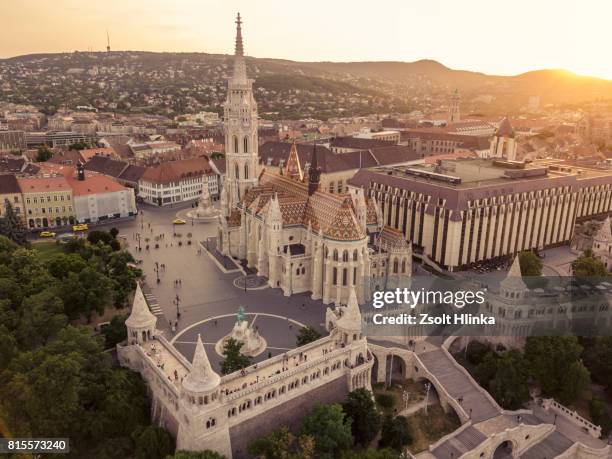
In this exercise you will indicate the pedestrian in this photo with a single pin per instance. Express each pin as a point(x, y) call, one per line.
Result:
point(176, 322)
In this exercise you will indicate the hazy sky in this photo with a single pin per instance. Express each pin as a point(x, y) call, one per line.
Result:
point(492, 36)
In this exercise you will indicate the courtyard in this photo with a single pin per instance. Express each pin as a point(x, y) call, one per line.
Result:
point(208, 298)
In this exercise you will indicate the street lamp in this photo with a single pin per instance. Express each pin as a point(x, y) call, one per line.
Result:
point(138, 239)
point(427, 387)
point(177, 301)
point(406, 397)
point(157, 271)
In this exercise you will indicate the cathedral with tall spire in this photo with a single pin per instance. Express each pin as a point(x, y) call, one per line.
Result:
point(297, 235)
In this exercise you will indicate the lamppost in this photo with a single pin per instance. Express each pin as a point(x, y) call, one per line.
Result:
point(174, 229)
point(245, 282)
point(427, 387)
point(177, 301)
point(406, 397)
point(138, 239)
point(157, 271)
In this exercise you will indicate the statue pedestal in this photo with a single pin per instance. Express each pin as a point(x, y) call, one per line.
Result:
point(253, 343)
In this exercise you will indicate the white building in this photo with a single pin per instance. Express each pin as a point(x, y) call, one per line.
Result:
point(97, 197)
point(177, 181)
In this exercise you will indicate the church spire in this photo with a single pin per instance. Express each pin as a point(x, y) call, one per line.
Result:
point(238, 50)
point(239, 64)
point(314, 172)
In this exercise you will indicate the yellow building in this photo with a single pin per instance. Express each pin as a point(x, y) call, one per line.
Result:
point(48, 201)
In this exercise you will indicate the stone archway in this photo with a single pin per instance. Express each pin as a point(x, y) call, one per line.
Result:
point(505, 450)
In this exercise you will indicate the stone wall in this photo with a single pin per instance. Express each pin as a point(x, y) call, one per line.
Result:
point(284, 415)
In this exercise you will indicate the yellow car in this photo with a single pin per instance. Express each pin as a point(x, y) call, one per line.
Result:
point(81, 227)
point(179, 221)
point(47, 234)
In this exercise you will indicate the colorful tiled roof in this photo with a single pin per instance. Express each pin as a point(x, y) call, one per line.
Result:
point(331, 214)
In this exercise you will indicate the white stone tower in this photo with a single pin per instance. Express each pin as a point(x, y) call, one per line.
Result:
point(141, 323)
point(240, 126)
point(454, 115)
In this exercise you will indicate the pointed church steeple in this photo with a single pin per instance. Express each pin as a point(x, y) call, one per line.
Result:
point(239, 63)
point(202, 377)
point(238, 50)
point(314, 172)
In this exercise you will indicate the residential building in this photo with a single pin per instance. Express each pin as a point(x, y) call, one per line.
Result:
point(99, 198)
point(12, 140)
point(47, 201)
point(177, 181)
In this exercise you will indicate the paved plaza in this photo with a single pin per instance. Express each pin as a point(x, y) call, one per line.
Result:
point(205, 292)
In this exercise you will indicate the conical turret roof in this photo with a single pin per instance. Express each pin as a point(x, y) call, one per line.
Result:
point(201, 378)
point(351, 315)
point(514, 278)
point(141, 316)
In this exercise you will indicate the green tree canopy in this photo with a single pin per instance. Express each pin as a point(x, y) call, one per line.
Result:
point(307, 335)
point(365, 420)
point(331, 430)
point(555, 363)
point(588, 265)
point(152, 443)
point(234, 359)
point(206, 454)
point(509, 385)
point(531, 265)
point(11, 225)
point(395, 433)
point(43, 154)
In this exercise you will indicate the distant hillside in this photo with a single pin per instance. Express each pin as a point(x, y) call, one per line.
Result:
point(170, 83)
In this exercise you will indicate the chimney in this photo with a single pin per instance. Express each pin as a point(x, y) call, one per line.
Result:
point(80, 172)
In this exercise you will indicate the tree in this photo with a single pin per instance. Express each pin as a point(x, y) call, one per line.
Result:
point(530, 264)
point(395, 433)
point(41, 318)
point(275, 445)
point(307, 335)
point(234, 359)
point(114, 232)
point(599, 415)
point(152, 443)
point(509, 385)
point(206, 454)
point(115, 332)
point(330, 428)
point(597, 357)
point(12, 226)
point(370, 453)
point(365, 420)
point(555, 363)
point(588, 265)
point(43, 154)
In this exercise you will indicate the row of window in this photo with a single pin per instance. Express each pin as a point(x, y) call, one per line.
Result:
point(273, 393)
point(47, 198)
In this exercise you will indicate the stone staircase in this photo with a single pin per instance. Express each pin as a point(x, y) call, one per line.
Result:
point(551, 446)
point(459, 385)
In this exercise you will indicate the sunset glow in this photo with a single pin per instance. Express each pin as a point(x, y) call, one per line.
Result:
point(477, 35)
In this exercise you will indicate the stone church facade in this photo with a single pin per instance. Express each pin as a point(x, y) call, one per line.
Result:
point(300, 237)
